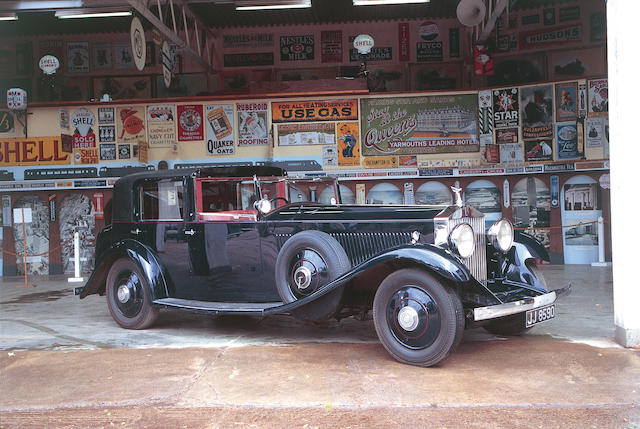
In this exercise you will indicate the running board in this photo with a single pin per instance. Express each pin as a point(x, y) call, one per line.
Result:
point(217, 307)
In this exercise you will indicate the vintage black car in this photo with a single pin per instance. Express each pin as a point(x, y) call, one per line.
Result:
point(250, 240)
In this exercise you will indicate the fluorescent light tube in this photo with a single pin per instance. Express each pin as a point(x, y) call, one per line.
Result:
point(89, 14)
point(383, 2)
point(9, 16)
point(266, 5)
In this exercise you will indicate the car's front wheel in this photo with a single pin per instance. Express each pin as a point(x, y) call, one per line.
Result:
point(128, 296)
point(418, 319)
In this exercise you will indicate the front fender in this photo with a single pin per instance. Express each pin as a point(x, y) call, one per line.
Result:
point(528, 244)
point(142, 255)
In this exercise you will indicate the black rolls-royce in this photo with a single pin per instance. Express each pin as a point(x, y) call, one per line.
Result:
point(250, 240)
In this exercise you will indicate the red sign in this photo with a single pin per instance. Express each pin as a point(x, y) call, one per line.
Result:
point(331, 46)
point(97, 205)
point(403, 41)
point(190, 125)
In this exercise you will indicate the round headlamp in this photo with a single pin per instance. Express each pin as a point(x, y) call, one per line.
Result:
point(462, 240)
point(501, 235)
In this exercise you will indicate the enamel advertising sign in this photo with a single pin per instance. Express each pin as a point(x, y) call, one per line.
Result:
point(420, 125)
point(315, 110)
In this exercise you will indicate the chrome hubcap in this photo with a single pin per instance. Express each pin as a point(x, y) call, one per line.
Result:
point(408, 318)
point(302, 277)
point(123, 293)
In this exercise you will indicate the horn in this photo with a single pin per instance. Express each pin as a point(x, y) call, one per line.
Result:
point(470, 12)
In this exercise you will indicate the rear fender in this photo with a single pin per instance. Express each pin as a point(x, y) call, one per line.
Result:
point(142, 255)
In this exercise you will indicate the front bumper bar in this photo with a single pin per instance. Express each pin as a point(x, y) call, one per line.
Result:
point(509, 308)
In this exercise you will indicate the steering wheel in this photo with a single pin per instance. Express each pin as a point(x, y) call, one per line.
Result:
point(274, 199)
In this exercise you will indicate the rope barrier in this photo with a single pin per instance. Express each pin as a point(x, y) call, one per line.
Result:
point(543, 228)
point(8, 252)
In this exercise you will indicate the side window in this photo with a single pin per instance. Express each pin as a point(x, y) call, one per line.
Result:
point(162, 200)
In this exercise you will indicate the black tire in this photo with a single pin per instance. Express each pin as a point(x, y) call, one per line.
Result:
point(315, 259)
point(129, 297)
point(507, 326)
point(430, 329)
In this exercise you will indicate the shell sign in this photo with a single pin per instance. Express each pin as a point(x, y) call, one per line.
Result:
point(363, 43)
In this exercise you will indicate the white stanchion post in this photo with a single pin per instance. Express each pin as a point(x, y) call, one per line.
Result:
point(76, 259)
point(601, 262)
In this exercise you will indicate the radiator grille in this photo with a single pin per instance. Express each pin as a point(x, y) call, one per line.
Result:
point(362, 246)
point(477, 263)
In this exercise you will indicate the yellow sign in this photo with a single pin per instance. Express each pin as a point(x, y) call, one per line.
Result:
point(380, 162)
point(33, 151)
point(315, 110)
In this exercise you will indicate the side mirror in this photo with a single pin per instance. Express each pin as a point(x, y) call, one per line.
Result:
point(263, 206)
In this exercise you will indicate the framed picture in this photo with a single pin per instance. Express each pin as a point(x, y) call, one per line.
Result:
point(122, 87)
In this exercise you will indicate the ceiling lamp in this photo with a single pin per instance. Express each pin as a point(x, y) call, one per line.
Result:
point(383, 2)
point(91, 13)
point(272, 4)
point(8, 16)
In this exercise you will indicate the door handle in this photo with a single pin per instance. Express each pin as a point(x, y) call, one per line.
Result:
point(190, 232)
point(136, 231)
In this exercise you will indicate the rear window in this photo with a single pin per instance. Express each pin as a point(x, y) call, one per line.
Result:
point(162, 200)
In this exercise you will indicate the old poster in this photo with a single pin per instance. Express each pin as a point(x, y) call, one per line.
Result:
point(33, 151)
point(102, 56)
point(78, 57)
point(567, 141)
point(297, 48)
point(331, 46)
point(511, 153)
point(598, 97)
point(306, 134)
point(130, 125)
point(507, 135)
point(314, 110)
point(108, 152)
point(220, 126)
point(190, 125)
point(85, 148)
point(566, 96)
point(594, 130)
point(485, 115)
point(505, 108)
point(161, 125)
point(241, 40)
point(538, 150)
point(420, 125)
point(536, 108)
point(252, 124)
point(582, 99)
point(348, 144)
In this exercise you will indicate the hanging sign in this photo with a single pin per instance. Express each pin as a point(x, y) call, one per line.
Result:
point(16, 99)
point(49, 64)
point(138, 43)
point(363, 43)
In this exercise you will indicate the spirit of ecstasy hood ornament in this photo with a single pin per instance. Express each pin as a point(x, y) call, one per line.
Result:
point(457, 191)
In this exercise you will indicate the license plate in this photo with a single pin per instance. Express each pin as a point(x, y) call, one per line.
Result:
point(540, 314)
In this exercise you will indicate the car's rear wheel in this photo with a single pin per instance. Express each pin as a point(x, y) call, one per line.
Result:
point(418, 319)
point(129, 297)
point(306, 263)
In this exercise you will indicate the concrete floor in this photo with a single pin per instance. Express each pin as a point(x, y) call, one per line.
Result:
point(66, 363)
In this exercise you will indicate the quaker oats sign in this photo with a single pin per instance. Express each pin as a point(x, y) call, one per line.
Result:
point(252, 128)
point(161, 126)
point(420, 125)
point(130, 124)
point(219, 129)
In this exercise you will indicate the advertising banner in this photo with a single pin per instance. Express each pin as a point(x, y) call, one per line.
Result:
point(507, 135)
point(190, 122)
point(429, 51)
point(306, 134)
point(420, 125)
point(241, 40)
point(248, 59)
point(314, 110)
point(220, 125)
point(376, 54)
point(505, 108)
point(252, 120)
point(566, 96)
point(550, 37)
point(161, 125)
point(536, 108)
point(32, 151)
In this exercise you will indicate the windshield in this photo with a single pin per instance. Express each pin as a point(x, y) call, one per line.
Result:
point(300, 190)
